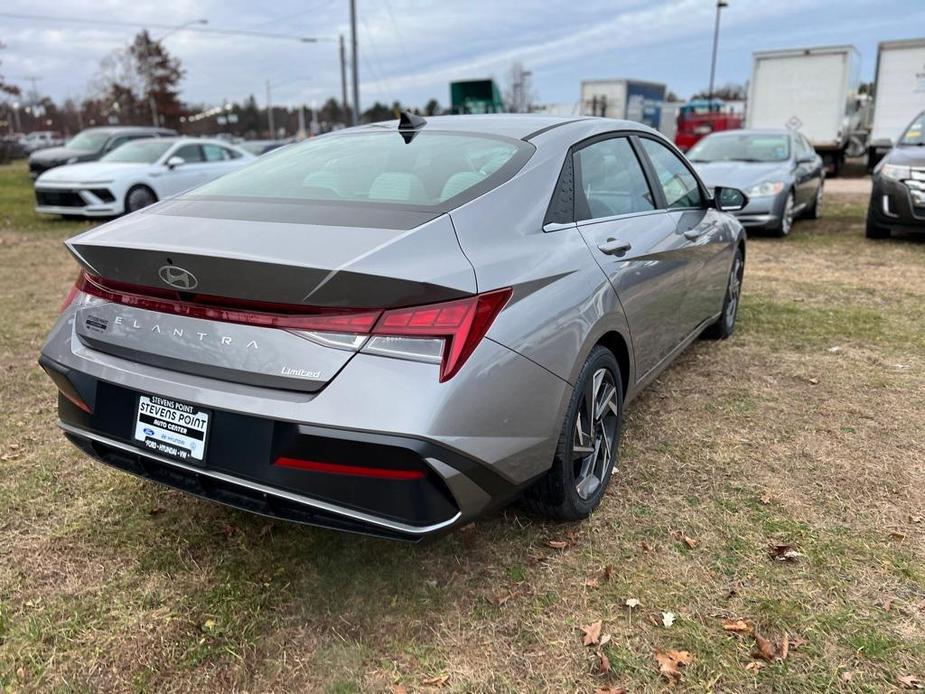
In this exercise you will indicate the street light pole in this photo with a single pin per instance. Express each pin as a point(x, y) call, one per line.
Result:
point(343, 76)
point(720, 4)
point(356, 71)
point(270, 113)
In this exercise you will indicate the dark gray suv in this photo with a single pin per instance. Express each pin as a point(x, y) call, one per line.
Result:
point(90, 145)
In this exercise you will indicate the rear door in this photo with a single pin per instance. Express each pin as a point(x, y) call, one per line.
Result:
point(703, 242)
point(633, 240)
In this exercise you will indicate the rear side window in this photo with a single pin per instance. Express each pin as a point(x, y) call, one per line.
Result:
point(678, 183)
point(610, 181)
point(215, 153)
point(377, 167)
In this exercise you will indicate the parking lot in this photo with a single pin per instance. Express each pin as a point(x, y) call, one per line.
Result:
point(805, 432)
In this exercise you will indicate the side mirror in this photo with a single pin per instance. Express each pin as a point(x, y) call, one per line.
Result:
point(175, 161)
point(729, 199)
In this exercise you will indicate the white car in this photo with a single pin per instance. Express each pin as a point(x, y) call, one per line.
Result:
point(135, 175)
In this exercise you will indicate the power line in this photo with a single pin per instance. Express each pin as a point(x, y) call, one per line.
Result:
point(175, 27)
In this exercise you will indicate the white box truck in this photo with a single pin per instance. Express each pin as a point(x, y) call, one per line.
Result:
point(899, 93)
point(813, 90)
point(618, 98)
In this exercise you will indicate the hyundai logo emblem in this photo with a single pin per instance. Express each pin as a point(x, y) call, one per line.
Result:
point(178, 278)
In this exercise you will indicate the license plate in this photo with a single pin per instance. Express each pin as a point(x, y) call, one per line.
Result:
point(171, 428)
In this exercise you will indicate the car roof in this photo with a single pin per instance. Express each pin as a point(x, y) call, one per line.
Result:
point(114, 129)
point(521, 126)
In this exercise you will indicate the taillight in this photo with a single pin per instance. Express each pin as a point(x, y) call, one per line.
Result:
point(452, 329)
point(446, 333)
point(71, 295)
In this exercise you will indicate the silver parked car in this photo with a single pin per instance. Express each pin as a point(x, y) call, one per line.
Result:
point(394, 328)
point(778, 169)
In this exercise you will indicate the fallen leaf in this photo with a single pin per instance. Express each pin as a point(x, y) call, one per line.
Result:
point(768, 650)
point(632, 602)
point(592, 582)
point(737, 626)
point(605, 639)
point(784, 553)
point(764, 648)
point(681, 537)
point(834, 349)
point(208, 625)
point(797, 642)
point(608, 572)
point(157, 510)
point(668, 618)
point(896, 535)
point(399, 689)
point(754, 666)
point(645, 546)
point(814, 381)
point(228, 530)
point(847, 676)
point(436, 681)
point(766, 499)
point(592, 633)
point(911, 682)
point(610, 690)
point(557, 544)
point(602, 666)
point(917, 519)
point(887, 604)
point(671, 662)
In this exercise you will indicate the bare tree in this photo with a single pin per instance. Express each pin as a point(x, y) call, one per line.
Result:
point(518, 91)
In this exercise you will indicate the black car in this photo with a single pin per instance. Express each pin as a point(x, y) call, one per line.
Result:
point(897, 199)
point(90, 145)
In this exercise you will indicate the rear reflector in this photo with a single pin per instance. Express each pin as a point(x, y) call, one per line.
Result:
point(352, 470)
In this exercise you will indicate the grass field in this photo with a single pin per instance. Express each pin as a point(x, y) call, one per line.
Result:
point(806, 429)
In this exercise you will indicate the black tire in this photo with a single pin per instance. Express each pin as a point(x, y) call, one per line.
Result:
point(726, 323)
point(138, 197)
point(786, 216)
point(874, 230)
point(814, 211)
point(564, 493)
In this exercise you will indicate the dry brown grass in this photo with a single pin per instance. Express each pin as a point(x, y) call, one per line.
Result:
point(772, 436)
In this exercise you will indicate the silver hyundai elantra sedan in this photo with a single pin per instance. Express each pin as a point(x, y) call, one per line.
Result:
point(395, 328)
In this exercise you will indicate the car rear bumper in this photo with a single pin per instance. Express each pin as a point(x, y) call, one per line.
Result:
point(477, 440)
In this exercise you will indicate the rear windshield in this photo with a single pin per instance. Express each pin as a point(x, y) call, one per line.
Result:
point(377, 167)
point(741, 147)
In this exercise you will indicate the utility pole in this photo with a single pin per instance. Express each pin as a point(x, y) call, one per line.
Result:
point(356, 70)
point(720, 4)
point(343, 76)
point(270, 113)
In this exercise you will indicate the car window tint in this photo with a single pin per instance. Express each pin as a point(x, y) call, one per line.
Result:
point(215, 153)
point(189, 153)
point(678, 183)
point(612, 181)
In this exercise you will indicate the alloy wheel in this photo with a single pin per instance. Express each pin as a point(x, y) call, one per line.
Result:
point(735, 290)
point(594, 443)
point(787, 219)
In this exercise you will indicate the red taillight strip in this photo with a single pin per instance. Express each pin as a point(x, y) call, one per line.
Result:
point(358, 321)
point(352, 470)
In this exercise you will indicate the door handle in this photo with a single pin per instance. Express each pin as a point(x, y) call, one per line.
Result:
point(614, 247)
point(692, 234)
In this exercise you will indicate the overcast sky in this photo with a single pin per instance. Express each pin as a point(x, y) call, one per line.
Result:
point(411, 49)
